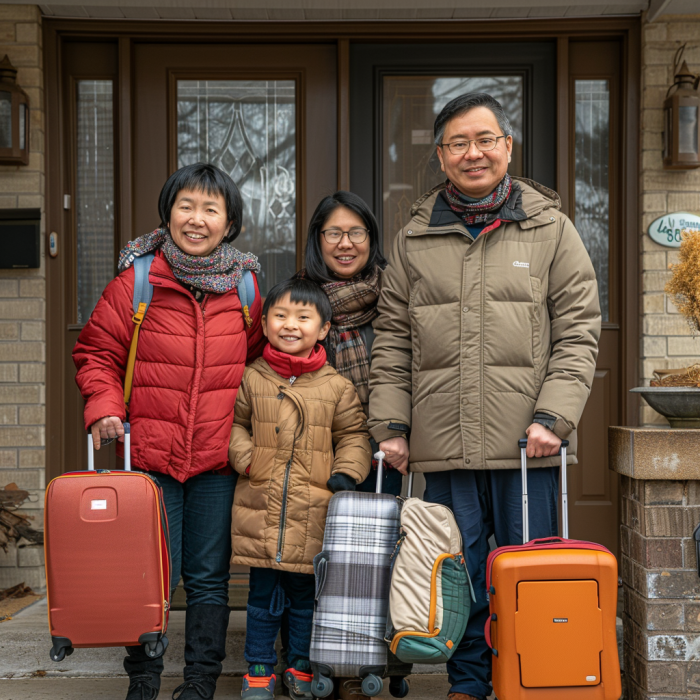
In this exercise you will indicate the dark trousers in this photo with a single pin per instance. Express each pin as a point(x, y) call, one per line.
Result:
point(391, 482)
point(199, 520)
point(487, 503)
point(272, 595)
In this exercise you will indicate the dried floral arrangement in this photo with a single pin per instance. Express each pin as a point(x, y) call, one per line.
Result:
point(684, 285)
point(690, 377)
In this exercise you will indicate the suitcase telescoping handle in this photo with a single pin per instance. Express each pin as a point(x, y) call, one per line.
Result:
point(127, 449)
point(522, 443)
point(379, 456)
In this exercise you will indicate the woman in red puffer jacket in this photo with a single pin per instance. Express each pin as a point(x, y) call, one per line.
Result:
point(193, 346)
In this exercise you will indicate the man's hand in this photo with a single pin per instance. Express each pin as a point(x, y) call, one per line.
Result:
point(105, 428)
point(396, 451)
point(541, 441)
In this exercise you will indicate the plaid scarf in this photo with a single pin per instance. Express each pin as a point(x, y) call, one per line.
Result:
point(478, 212)
point(354, 303)
point(216, 273)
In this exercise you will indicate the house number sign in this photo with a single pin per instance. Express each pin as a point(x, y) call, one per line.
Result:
point(666, 230)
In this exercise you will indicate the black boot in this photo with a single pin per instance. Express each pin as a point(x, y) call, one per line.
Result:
point(144, 674)
point(205, 649)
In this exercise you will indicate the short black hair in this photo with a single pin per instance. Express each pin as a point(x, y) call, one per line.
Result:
point(203, 177)
point(462, 104)
point(316, 268)
point(301, 291)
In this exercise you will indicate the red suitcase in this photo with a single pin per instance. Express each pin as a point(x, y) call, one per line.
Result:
point(553, 605)
point(107, 559)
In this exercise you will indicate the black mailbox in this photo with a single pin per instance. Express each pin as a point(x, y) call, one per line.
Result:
point(20, 238)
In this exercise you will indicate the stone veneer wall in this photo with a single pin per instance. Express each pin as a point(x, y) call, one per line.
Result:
point(667, 341)
point(22, 307)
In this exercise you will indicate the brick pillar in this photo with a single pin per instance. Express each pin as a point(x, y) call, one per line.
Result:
point(660, 510)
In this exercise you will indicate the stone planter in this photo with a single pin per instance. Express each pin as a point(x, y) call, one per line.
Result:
point(680, 406)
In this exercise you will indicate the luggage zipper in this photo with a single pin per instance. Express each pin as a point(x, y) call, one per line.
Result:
point(283, 512)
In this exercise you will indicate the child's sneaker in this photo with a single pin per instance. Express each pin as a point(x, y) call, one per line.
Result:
point(258, 687)
point(299, 684)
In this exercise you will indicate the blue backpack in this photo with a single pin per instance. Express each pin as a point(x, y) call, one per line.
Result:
point(143, 293)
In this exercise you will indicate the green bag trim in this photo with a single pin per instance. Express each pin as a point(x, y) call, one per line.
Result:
point(457, 594)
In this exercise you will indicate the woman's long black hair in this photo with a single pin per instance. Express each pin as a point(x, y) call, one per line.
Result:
point(316, 268)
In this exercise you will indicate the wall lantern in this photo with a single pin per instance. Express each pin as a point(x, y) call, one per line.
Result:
point(14, 117)
point(682, 119)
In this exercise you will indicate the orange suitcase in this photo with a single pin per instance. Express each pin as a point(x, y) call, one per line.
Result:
point(553, 605)
point(107, 559)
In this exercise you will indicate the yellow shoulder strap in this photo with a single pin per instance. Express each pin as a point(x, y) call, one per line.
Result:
point(137, 318)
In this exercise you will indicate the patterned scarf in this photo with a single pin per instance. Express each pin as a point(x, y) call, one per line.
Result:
point(354, 303)
point(477, 212)
point(216, 273)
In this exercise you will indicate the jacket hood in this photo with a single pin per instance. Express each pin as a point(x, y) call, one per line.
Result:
point(535, 198)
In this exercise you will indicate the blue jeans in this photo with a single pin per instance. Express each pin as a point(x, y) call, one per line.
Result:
point(274, 595)
point(199, 520)
point(487, 503)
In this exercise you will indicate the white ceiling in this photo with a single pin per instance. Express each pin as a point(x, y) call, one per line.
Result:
point(291, 10)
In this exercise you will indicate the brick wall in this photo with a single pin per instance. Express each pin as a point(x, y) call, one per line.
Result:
point(661, 618)
point(667, 341)
point(22, 306)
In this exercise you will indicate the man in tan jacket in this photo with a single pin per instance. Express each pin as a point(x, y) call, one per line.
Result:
point(488, 331)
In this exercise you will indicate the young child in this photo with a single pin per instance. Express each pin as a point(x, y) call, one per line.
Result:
point(299, 435)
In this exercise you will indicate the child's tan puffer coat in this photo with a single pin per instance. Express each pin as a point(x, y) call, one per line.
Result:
point(302, 433)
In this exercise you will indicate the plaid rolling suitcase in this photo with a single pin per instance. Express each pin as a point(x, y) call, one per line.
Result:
point(553, 606)
point(352, 589)
point(107, 559)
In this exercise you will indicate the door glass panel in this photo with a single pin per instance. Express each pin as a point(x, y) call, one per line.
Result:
point(410, 166)
point(592, 193)
point(94, 203)
point(248, 129)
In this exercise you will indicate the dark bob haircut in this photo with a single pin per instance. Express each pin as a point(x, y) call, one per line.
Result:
point(462, 104)
point(203, 177)
point(301, 291)
point(316, 268)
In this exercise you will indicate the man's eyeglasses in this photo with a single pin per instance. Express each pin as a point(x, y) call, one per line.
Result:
point(459, 148)
point(355, 235)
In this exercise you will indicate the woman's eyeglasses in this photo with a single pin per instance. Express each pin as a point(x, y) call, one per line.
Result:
point(335, 235)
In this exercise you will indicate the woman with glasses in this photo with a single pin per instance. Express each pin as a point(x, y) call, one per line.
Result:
point(343, 257)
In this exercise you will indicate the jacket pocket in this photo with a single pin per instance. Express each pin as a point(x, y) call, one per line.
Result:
point(536, 286)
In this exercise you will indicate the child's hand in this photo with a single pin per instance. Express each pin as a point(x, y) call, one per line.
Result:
point(340, 482)
point(107, 429)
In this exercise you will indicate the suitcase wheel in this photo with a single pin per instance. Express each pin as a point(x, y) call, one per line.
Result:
point(154, 644)
point(372, 685)
point(321, 686)
point(61, 648)
point(398, 687)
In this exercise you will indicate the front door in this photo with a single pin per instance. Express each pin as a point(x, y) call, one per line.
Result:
point(393, 162)
point(131, 114)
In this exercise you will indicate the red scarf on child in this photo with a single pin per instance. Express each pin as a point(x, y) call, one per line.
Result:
point(290, 366)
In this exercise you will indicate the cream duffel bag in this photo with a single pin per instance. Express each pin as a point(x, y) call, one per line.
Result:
point(431, 592)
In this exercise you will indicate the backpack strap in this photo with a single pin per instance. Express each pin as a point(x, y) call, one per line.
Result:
point(246, 293)
point(143, 293)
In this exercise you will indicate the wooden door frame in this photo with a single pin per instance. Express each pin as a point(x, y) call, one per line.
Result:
point(127, 33)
